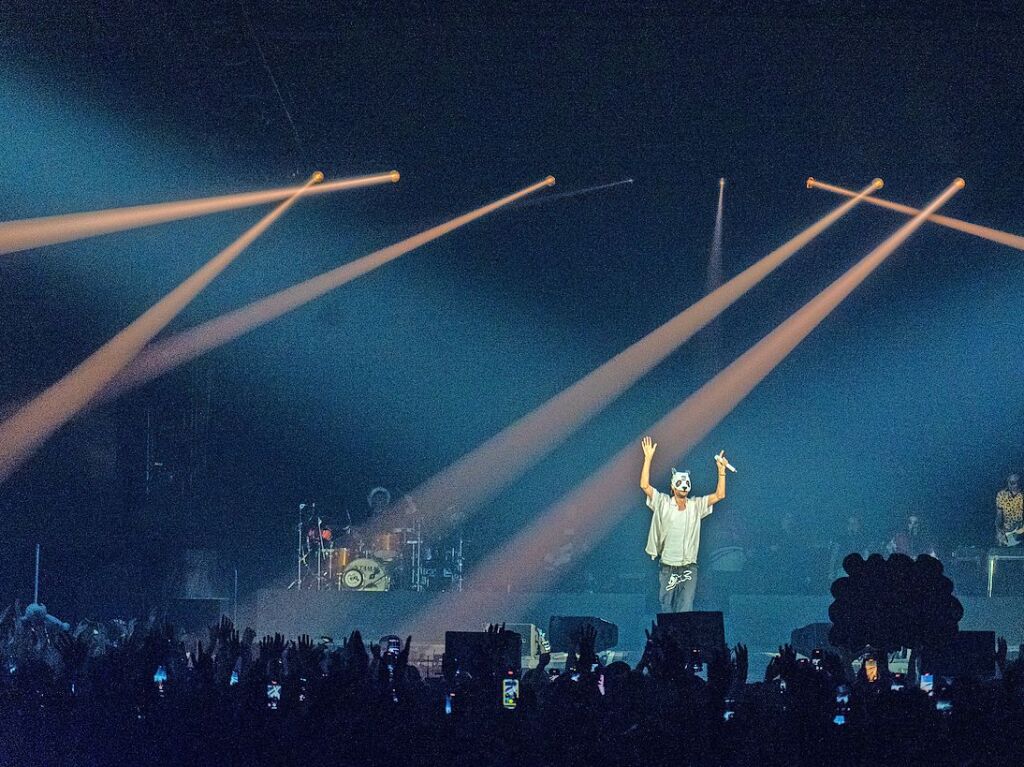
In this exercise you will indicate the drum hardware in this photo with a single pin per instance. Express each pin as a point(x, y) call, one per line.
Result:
point(317, 558)
point(306, 546)
point(404, 557)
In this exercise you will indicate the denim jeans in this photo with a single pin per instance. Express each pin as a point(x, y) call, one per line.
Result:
point(677, 585)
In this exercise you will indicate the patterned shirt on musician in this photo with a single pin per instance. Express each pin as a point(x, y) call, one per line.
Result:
point(1011, 509)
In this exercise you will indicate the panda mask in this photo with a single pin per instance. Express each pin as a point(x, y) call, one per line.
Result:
point(680, 481)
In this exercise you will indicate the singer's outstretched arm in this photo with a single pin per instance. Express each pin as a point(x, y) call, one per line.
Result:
point(645, 472)
point(719, 494)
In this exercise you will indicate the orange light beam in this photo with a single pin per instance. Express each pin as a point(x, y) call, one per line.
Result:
point(25, 431)
point(985, 232)
point(481, 474)
point(50, 230)
point(165, 355)
point(594, 506)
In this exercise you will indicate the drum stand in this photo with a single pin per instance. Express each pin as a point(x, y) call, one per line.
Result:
point(321, 554)
point(417, 580)
point(317, 552)
point(302, 554)
point(457, 563)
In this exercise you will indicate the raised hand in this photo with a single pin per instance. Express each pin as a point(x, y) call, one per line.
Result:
point(773, 670)
point(587, 656)
point(271, 647)
point(358, 657)
point(645, 658)
point(787, 660)
point(742, 664)
point(73, 651)
point(307, 652)
point(223, 636)
point(202, 661)
point(493, 629)
point(648, 447)
point(720, 673)
point(1001, 650)
point(403, 660)
point(654, 652)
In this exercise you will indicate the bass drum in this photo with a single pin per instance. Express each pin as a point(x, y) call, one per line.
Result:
point(365, 575)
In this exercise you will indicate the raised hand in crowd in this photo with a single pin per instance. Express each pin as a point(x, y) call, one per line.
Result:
point(495, 649)
point(271, 647)
point(73, 650)
point(721, 673)
point(587, 642)
point(742, 663)
point(202, 662)
point(356, 660)
point(307, 655)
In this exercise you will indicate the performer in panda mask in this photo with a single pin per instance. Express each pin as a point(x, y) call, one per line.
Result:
point(674, 537)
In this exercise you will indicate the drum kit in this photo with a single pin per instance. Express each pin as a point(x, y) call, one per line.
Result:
point(332, 558)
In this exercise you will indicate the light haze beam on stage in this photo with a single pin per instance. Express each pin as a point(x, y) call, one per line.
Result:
point(50, 230)
point(478, 476)
point(166, 355)
point(985, 232)
point(572, 193)
point(715, 273)
point(594, 506)
point(30, 426)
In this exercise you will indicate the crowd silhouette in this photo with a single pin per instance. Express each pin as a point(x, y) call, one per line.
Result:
point(136, 692)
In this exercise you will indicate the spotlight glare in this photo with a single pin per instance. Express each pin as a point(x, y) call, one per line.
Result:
point(1008, 239)
point(28, 233)
point(167, 354)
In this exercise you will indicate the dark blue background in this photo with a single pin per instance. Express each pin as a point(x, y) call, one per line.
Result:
point(908, 398)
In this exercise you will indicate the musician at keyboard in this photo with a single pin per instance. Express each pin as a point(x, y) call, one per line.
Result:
point(1010, 513)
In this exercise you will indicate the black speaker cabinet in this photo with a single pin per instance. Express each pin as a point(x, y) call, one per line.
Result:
point(702, 630)
point(564, 632)
point(468, 649)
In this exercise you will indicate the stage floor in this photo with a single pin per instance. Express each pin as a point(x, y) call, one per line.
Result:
point(761, 621)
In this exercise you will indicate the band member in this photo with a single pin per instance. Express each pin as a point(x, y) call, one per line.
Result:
point(674, 537)
point(377, 500)
point(1010, 513)
point(912, 539)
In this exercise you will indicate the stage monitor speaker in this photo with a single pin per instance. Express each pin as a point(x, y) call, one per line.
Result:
point(468, 650)
point(564, 632)
point(196, 615)
point(704, 630)
point(811, 637)
point(971, 653)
